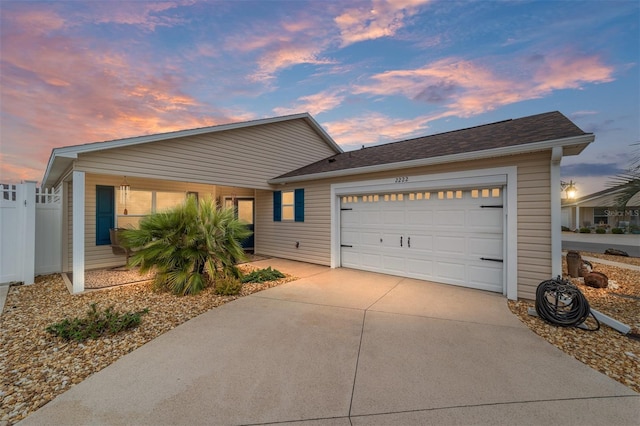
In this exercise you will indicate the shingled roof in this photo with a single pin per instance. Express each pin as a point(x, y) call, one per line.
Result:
point(488, 138)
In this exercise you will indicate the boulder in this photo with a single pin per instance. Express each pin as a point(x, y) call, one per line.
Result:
point(585, 268)
point(596, 280)
point(616, 252)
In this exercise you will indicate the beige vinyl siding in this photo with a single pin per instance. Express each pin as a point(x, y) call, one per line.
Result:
point(228, 191)
point(102, 256)
point(245, 157)
point(534, 216)
point(279, 239)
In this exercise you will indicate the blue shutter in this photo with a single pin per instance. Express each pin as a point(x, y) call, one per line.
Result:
point(298, 199)
point(105, 213)
point(277, 206)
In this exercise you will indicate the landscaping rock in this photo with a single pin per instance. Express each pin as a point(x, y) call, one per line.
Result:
point(596, 280)
point(585, 268)
point(574, 261)
point(616, 252)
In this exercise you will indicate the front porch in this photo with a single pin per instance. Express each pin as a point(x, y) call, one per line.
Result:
point(96, 203)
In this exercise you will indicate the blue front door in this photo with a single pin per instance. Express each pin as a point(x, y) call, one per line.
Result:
point(105, 213)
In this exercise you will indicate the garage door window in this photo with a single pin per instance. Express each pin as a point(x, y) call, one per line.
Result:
point(418, 196)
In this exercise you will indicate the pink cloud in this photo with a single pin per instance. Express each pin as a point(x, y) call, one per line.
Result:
point(464, 88)
point(376, 19)
point(374, 127)
point(145, 15)
point(314, 104)
point(566, 70)
point(295, 41)
point(64, 93)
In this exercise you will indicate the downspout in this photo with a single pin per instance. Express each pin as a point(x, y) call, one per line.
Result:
point(556, 218)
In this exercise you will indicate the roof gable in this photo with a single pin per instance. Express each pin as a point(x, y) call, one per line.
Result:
point(62, 158)
point(501, 138)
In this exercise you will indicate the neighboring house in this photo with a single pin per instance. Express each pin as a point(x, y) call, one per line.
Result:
point(601, 210)
point(474, 207)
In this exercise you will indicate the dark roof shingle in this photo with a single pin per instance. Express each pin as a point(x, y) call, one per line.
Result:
point(521, 131)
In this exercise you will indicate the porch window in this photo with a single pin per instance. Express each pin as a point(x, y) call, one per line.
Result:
point(288, 205)
point(140, 204)
point(600, 217)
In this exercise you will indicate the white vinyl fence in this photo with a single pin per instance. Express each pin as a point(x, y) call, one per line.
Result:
point(30, 232)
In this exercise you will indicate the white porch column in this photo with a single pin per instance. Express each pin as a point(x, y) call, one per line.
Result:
point(78, 231)
point(556, 213)
point(578, 226)
point(27, 202)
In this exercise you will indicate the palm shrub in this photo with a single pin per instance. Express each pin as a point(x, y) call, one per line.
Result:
point(190, 245)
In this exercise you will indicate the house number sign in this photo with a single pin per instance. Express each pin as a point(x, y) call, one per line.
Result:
point(402, 179)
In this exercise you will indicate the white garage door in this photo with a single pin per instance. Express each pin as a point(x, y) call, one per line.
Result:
point(450, 236)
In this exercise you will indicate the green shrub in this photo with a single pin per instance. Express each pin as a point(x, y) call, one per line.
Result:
point(262, 275)
point(585, 230)
point(227, 286)
point(565, 229)
point(190, 246)
point(95, 324)
point(617, 231)
point(601, 231)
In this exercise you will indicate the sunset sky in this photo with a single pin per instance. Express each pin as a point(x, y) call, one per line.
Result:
point(73, 72)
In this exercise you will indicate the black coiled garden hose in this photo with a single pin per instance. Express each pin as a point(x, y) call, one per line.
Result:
point(561, 303)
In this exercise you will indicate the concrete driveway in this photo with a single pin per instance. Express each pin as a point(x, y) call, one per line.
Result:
point(344, 347)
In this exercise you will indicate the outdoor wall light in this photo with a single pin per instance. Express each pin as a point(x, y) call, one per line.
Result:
point(569, 188)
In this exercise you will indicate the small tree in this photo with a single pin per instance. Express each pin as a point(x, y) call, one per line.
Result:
point(628, 181)
point(190, 245)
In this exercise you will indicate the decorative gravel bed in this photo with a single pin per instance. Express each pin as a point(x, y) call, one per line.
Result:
point(35, 366)
point(606, 350)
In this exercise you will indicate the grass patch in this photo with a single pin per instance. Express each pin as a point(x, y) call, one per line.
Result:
point(263, 275)
point(96, 323)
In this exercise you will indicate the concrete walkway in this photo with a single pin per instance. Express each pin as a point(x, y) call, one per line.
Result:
point(344, 347)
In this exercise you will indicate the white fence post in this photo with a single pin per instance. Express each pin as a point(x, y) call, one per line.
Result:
point(28, 203)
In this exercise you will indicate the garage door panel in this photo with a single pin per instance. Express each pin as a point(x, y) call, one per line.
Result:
point(370, 260)
point(370, 239)
point(450, 244)
point(350, 237)
point(393, 217)
point(487, 277)
point(349, 218)
point(422, 268)
point(350, 258)
point(393, 263)
point(391, 240)
point(455, 218)
point(452, 272)
point(487, 220)
point(369, 218)
point(419, 218)
point(421, 242)
point(485, 247)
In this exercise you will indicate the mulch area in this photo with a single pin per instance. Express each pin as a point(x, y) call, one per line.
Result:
point(37, 366)
point(606, 350)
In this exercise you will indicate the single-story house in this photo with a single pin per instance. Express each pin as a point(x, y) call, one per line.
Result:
point(477, 207)
point(600, 209)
